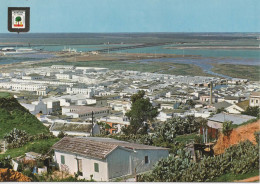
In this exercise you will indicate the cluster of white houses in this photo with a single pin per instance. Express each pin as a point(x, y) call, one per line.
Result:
point(76, 92)
point(70, 98)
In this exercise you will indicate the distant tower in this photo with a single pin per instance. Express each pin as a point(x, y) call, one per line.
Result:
point(211, 84)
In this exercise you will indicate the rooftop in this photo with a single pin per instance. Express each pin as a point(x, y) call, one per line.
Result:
point(235, 118)
point(256, 93)
point(220, 105)
point(74, 127)
point(96, 147)
point(85, 109)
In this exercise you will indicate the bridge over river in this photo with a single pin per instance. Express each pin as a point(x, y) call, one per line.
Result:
point(111, 49)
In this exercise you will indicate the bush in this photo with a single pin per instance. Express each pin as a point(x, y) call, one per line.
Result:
point(252, 111)
point(257, 136)
point(6, 162)
point(238, 159)
point(61, 134)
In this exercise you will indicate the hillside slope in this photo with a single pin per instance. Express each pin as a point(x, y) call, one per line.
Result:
point(242, 133)
point(13, 115)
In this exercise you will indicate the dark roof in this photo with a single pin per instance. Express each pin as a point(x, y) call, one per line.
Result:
point(124, 144)
point(74, 127)
point(231, 98)
point(220, 105)
point(97, 147)
point(84, 147)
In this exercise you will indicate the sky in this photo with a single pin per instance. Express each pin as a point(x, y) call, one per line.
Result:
point(61, 16)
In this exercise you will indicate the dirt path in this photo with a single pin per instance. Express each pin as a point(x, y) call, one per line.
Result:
point(252, 179)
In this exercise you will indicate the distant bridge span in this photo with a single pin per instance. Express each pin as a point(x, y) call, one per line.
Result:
point(131, 47)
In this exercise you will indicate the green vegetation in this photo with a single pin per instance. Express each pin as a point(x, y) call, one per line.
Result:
point(227, 128)
point(237, 160)
point(13, 115)
point(167, 134)
point(252, 111)
point(184, 69)
point(38, 146)
point(186, 138)
point(141, 111)
point(17, 138)
point(232, 177)
point(159, 67)
point(5, 95)
point(238, 71)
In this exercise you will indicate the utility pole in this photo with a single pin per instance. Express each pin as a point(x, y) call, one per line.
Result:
point(92, 121)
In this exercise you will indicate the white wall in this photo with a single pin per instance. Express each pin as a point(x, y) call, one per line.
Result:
point(119, 163)
point(87, 166)
point(138, 159)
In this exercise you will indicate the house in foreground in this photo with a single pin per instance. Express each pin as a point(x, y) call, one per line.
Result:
point(105, 158)
point(215, 123)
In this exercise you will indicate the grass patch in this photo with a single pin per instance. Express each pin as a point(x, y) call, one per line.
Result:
point(13, 115)
point(160, 67)
point(38, 146)
point(5, 95)
point(238, 71)
point(185, 138)
point(231, 177)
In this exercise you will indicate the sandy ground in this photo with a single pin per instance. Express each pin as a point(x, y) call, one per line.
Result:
point(239, 134)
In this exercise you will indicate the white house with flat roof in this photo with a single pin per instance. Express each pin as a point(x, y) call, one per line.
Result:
point(84, 111)
point(105, 158)
point(67, 67)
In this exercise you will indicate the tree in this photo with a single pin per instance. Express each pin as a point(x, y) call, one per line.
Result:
point(222, 109)
point(141, 114)
point(104, 128)
point(18, 19)
point(252, 111)
point(61, 134)
point(190, 102)
point(227, 128)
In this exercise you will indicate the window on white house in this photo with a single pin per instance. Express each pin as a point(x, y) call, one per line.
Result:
point(62, 158)
point(256, 101)
point(146, 160)
point(96, 167)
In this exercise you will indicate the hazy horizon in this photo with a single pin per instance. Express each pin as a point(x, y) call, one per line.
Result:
point(116, 16)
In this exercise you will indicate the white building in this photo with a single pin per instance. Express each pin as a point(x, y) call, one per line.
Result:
point(32, 77)
point(80, 90)
point(254, 99)
point(23, 86)
point(75, 128)
point(105, 158)
point(84, 111)
point(116, 123)
point(63, 76)
point(67, 67)
point(37, 107)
